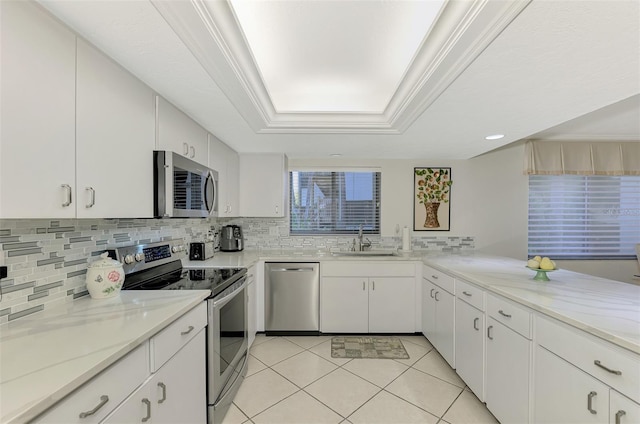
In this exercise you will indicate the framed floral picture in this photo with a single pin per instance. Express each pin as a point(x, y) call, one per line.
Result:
point(431, 199)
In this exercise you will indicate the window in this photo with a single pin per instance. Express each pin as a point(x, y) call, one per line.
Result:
point(334, 202)
point(579, 217)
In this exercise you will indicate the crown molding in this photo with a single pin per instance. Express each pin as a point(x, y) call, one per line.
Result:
point(210, 30)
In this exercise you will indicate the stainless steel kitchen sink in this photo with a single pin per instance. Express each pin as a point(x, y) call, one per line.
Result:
point(366, 253)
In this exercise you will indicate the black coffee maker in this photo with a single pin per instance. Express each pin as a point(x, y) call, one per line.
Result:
point(231, 239)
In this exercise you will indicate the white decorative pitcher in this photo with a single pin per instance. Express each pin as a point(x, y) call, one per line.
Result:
point(104, 277)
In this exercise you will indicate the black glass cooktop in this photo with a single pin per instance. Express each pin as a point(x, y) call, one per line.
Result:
point(172, 276)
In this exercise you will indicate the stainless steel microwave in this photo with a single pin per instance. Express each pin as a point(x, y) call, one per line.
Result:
point(183, 188)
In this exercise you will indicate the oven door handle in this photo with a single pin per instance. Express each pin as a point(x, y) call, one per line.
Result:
point(219, 303)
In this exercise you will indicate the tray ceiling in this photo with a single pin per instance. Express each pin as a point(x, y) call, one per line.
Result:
point(324, 85)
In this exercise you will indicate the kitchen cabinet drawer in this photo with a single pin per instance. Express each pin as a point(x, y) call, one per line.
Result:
point(470, 294)
point(583, 351)
point(439, 278)
point(511, 315)
point(103, 393)
point(367, 269)
point(167, 342)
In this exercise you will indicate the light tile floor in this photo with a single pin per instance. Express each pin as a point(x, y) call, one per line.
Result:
point(295, 380)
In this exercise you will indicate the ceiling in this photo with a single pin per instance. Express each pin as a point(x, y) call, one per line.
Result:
point(367, 79)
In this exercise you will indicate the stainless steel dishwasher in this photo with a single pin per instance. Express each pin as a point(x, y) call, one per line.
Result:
point(292, 298)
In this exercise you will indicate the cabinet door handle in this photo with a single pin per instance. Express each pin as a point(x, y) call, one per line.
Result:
point(467, 293)
point(276, 209)
point(431, 293)
point(189, 330)
point(435, 296)
point(599, 364)
point(501, 312)
point(164, 392)
point(193, 152)
point(148, 403)
point(435, 277)
point(489, 336)
point(364, 285)
point(373, 285)
point(619, 415)
point(103, 401)
point(590, 397)
point(93, 197)
point(67, 189)
point(475, 324)
point(185, 148)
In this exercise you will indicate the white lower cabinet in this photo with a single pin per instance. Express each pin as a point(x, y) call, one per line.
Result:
point(469, 342)
point(622, 410)
point(367, 298)
point(438, 314)
point(507, 373)
point(565, 394)
point(174, 394)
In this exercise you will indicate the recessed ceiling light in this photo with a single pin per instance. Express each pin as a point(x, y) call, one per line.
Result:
point(335, 155)
point(494, 137)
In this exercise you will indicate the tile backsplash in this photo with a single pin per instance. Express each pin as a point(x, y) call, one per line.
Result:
point(47, 259)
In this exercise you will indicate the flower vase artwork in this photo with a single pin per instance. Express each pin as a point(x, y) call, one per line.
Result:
point(432, 194)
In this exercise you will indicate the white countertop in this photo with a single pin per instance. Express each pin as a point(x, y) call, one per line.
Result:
point(247, 258)
point(605, 308)
point(46, 356)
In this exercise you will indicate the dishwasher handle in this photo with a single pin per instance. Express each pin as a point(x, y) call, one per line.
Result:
point(292, 269)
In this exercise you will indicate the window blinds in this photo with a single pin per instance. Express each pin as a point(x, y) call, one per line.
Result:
point(329, 202)
point(574, 216)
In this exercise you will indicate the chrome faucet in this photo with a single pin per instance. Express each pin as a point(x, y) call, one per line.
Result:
point(361, 244)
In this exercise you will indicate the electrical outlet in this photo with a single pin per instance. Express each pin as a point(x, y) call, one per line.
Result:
point(3, 272)
point(273, 231)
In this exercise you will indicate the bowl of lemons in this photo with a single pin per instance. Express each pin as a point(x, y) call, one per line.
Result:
point(542, 265)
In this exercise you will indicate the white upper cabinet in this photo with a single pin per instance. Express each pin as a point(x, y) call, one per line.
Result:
point(226, 161)
point(115, 139)
point(264, 185)
point(37, 139)
point(179, 133)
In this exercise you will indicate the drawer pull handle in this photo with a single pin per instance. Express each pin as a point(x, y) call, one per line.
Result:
point(489, 332)
point(475, 324)
point(148, 403)
point(590, 397)
point(164, 392)
point(599, 364)
point(501, 312)
point(103, 401)
point(435, 296)
point(619, 415)
point(189, 330)
point(435, 277)
point(431, 294)
point(467, 293)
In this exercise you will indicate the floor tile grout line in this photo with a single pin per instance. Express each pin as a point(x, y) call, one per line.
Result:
point(454, 401)
point(439, 378)
point(410, 403)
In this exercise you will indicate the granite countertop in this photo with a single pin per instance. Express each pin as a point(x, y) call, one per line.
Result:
point(605, 308)
point(46, 356)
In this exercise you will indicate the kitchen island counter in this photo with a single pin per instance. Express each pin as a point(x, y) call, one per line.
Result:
point(46, 356)
point(605, 308)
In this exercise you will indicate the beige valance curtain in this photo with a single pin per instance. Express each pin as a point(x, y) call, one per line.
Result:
point(582, 158)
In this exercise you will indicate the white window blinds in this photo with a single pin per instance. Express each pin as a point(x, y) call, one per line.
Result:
point(326, 202)
point(575, 216)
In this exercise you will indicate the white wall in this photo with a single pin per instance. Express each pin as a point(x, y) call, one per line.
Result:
point(488, 197)
point(489, 201)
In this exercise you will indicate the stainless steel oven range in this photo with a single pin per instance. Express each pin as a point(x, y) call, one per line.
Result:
point(157, 266)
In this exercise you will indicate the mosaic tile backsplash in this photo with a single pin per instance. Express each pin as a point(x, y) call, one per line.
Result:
point(47, 259)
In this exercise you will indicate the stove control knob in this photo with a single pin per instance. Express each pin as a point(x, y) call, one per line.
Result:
point(128, 259)
point(139, 257)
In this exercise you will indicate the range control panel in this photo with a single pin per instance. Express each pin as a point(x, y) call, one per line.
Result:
point(144, 256)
